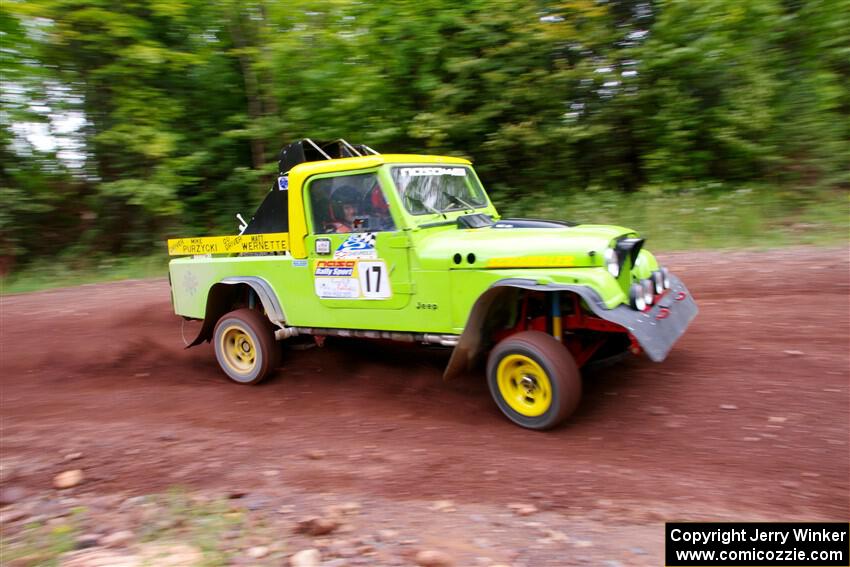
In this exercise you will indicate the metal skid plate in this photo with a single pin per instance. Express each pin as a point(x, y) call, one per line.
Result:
point(658, 328)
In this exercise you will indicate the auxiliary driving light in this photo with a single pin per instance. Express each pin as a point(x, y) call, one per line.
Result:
point(658, 282)
point(612, 262)
point(648, 294)
point(665, 273)
point(636, 297)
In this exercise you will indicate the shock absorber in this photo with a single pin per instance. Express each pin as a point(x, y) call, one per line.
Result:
point(557, 324)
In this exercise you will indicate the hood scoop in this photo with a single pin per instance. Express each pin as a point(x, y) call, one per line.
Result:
point(477, 220)
point(533, 223)
point(630, 247)
point(481, 220)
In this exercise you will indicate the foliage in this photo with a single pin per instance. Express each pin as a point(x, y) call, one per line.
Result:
point(74, 268)
point(706, 216)
point(184, 104)
point(709, 216)
point(167, 521)
point(741, 92)
point(41, 543)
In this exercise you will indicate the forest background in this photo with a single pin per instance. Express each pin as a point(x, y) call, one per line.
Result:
point(698, 122)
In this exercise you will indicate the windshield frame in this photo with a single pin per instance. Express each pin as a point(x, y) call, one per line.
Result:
point(455, 208)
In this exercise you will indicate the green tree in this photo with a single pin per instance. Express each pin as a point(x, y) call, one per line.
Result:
point(187, 102)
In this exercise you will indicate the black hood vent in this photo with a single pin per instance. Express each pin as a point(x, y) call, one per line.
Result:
point(629, 247)
point(533, 223)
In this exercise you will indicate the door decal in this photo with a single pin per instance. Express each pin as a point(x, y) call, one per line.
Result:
point(374, 280)
point(359, 245)
point(352, 279)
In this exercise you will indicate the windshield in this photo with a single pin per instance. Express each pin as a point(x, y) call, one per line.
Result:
point(438, 189)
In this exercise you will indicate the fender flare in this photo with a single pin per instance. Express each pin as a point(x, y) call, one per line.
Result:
point(470, 345)
point(218, 304)
point(655, 337)
point(264, 291)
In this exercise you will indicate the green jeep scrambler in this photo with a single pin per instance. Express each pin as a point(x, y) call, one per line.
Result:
point(353, 243)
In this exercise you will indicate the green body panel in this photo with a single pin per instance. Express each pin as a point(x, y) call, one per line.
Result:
point(439, 301)
point(437, 247)
point(428, 290)
point(645, 265)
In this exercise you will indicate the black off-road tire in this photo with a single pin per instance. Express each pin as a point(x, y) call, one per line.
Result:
point(561, 374)
point(245, 347)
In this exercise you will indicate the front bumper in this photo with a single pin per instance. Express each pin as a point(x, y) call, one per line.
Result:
point(657, 329)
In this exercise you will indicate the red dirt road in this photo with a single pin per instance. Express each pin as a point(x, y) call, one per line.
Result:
point(746, 420)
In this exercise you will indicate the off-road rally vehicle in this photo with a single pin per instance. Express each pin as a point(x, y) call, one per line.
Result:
point(352, 243)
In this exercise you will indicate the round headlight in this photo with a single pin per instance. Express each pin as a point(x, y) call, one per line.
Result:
point(648, 294)
point(612, 262)
point(658, 281)
point(636, 297)
point(665, 274)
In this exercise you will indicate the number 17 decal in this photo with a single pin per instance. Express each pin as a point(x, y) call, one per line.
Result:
point(374, 283)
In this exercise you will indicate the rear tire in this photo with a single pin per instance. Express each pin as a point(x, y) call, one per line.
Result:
point(534, 380)
point(245, 347)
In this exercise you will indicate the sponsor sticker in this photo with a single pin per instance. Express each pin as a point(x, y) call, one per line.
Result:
point(335, 279)
point(428, 171)
point(360, 245)
point(243, 243)
point(352, 279)
point(190, 283)
point(332, 269)
point(532, 262)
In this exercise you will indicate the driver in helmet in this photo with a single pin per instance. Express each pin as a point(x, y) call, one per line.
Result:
point(343, 209)
point(379, 210)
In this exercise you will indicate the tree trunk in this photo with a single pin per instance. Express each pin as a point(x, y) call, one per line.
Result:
point(252, 89)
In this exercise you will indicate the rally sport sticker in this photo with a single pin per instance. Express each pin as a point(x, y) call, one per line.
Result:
point(352, 279)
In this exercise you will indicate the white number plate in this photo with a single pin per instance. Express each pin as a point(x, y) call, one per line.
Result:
point(374, 280)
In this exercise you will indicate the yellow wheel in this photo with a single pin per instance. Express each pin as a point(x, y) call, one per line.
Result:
point(239, 352)
point(524, 385)
point(245, 346)
point(534, 380)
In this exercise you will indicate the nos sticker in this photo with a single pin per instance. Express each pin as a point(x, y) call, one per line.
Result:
point(352, 279)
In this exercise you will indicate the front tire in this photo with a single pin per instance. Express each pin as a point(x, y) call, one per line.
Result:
point(245, 347)
point(534, 380)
